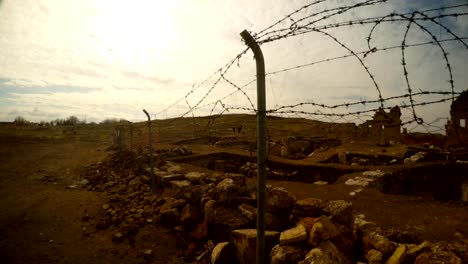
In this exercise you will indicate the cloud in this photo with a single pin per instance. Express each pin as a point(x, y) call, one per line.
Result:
point(116, 59)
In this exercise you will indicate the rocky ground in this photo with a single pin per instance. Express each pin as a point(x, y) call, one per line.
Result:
point(71, 199)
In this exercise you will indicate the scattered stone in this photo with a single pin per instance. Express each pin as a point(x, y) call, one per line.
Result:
point(310, 207)
point(341, 212)
point(417, 250)
point(293, 235)
point(148, 254)
point(281, 254)
point(307, 222)
point(224, 221)
point(279, 201)
point(323, 229)
point(321, 183)
point(72, 186)
point(374, 240)
point(248, 211)
point(223, 253)
point(195, 177)
point(170, 217)
point(326, 253)
point(438, 257)
point(418, 157)
point(374, 257)
point(83, 182)
point(180, 184)
point(359, 181)
point(105, 206)
point(174, 168)
point(398, 256)
point(245, 241)
point(173, 177)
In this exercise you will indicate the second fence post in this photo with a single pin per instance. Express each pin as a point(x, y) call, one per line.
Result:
point(154, 182)
point(261, 144)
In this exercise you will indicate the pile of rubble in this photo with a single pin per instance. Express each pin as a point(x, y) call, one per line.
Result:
point(250, 169)
point(215, 215)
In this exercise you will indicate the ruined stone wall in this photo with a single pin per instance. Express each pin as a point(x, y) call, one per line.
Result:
point(456, 130)
point(384, 127)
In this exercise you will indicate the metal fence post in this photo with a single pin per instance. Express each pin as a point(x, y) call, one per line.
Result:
point(150, 145)
point(261, 143)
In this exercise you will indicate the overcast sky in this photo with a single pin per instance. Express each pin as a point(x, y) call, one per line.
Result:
point(100, 59)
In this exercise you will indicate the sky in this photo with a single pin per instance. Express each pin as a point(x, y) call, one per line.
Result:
point(99, 59)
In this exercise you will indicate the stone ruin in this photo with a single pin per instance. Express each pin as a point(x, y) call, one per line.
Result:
point(384, 127)
point(215, 215)
point(456, 131)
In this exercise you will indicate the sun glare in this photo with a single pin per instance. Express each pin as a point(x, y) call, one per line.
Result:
point(134, 33)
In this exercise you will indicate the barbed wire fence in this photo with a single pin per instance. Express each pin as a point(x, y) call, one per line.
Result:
point(327, 21)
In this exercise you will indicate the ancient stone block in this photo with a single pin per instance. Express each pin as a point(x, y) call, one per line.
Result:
point(245, 241)
point(293, 235)
point(281, 254)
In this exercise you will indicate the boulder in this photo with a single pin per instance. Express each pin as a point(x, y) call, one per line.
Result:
point(374, 257)
point(326, 253)
point(245, 241)
point(293, 235)
point(307, 222)
point(224, 221)
point(180, 184)
point(189, 216)
point(341, 212)
point(374, 240)
point(170, 217)
point(248, 211)
point(310, 207)
point(438, 257)
point(195, 177)
point(223, 253)
point(398, 256)
point(281, 254)
point(279, 201)
point(323, 229)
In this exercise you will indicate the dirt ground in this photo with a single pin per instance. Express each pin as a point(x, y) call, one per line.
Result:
point(41, 220)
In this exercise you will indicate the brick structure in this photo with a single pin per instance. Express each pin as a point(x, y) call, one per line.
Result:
point(456, 131)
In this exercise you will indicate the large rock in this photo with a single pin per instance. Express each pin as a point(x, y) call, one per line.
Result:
point(272, 222)
point(438, 257)
point(341, 212)
point(323, 229)
point(248, 211)
point(293, 235)
point(326, 253)
point(245, 241)
point(374, 257)
point(228, 192)
point(279, 201)
point(195, 177)
point(281, 254)
point(224, 221)
point(310, 207)
point(223, 253)
point(374, 240)
point(189, 216)
point(398, 256)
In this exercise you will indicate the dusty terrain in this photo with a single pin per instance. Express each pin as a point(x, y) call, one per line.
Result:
point(42, 218)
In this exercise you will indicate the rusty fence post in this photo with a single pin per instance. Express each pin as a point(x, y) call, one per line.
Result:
point(154, 182)
point(261, 143)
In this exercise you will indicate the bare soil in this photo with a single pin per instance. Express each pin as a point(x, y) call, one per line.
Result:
point(41, 220)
